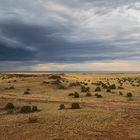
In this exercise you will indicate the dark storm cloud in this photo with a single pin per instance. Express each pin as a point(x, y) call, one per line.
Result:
point(75, 31)
point(8, 53)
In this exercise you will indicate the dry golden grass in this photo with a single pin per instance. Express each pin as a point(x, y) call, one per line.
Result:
point(111, 117)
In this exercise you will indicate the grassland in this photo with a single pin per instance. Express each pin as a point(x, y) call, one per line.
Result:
point(113, 116)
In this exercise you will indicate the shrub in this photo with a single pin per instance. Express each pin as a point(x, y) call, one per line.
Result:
point(113, 86)
point(27, 92)
point(34, 108)
point(84, 89)
point(129, 94)
point(9, 106)
point(12, 87)
point(62, 106)
point(85, 84)
point(104, 86)
point(74, 84)
point(75, 106)
point(120, 93)
point(76, 95)
point(96, 94)
point(71, 94)
point(88, 94)
point(33, 119)
point(25, 109)
point(108, 90)
point(62, 87)
point(54, 77)
point(98, 89)
point(120, 87)
point(99, 96)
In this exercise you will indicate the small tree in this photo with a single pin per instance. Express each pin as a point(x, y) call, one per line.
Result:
point(120, 93)
point(76, 95)
point(71, 94)
point(99, 96)
point(96, 94)
point(113, 86)
point(129, 94)
point(88, 94)
point(75, 106)
point(9, 106)
point(108, 90)
point(85, 89)
point(25, 109)
point(62, 106)
point(27, 92)
point(34, 108)
point(98, 89)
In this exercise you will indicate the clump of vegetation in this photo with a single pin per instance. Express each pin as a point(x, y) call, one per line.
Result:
point(98, 89)
point(76, 95)
point(88, 94)
point(120, 87)
point(33, 119)
point(120, 93)
point(74, 84)
point(99, 96)
point(26, 109)
point(45, 82)
point(113, 86)
point(62, 106)
point(27, 91)
point(75, 106)
point(129, 94)
point(61, 86)
point(9, 106)
point(10, 88)
point(108, 90)
point(104, 86)
point(96, 94)
point(85, 89)
point(54, 77)
point(71, 94)
point(34, 108)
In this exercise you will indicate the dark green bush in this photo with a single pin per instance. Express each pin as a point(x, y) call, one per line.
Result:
point(12, 87)
point(120, 87)
point(129, 94)
point(62, 106)
point(88, 94)
point(108, 90)
point(26, 109)
point(113, 86)
point(75, 106)
point(74, 84)
point(99, 96)
point(98, 89)
point(120, 93)
point(76, 95)
point(96, 94)
point(85, 89)
point(71, 94)
point(34, 108)
point(27, 92)
point(54, 77)
point(62, 87)
point(104, 86)
point(9, 106)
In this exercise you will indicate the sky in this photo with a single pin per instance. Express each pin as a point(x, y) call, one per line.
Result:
point(69, 35)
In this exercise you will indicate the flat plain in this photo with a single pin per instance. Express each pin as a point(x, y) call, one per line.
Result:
point(109, 106)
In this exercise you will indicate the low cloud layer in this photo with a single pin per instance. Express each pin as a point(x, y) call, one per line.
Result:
point(76, 32)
